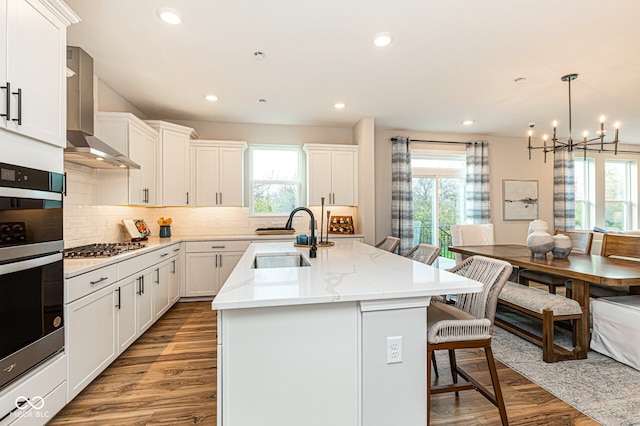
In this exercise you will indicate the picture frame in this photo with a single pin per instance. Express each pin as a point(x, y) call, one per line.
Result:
point(519, 199)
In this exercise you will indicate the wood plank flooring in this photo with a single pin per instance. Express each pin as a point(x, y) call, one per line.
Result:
point(168, 377)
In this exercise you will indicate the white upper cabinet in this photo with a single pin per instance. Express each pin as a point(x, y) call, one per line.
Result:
point(332, 173)
point(217, 172)
point(33, 70)
point(173, 163)
point(128, 134)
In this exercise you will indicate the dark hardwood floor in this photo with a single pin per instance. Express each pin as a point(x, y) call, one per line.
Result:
point(168, 376)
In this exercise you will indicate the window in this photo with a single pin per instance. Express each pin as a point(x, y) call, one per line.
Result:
point(618, 194)
point(275, 179)
point(438, 196)
point(585, 193)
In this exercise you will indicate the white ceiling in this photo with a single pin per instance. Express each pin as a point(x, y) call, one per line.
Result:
point(449, 61)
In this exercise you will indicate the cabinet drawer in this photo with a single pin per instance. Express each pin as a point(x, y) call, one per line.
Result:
point(216, 246)
point(84, 284)
point(165, 253)
point(135, 265)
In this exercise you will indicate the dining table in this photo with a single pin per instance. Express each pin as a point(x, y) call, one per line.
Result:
point(582, 269)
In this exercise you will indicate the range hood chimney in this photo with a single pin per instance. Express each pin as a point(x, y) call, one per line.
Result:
point(82, 146)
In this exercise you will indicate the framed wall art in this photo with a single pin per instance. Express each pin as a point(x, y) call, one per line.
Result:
point(519, 199)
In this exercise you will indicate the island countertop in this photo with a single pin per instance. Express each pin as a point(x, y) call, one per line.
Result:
point(348, 271)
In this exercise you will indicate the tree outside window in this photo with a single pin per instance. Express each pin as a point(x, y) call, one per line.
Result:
point(275, 179)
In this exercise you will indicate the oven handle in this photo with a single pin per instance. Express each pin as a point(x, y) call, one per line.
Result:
point(6, 191)
point(29, 264)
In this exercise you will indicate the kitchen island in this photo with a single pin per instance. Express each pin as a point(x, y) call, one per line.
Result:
point(335, 340)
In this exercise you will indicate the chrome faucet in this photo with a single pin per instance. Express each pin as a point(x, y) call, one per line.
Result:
point(312, 245)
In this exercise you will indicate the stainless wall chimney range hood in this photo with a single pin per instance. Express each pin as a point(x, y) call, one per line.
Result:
point(82, 146)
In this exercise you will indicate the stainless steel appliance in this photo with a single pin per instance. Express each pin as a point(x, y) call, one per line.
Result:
point(101, 250)
point(31, 269)
point(82, 146)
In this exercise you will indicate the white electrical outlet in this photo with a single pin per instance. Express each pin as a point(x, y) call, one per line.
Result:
point(394, 349)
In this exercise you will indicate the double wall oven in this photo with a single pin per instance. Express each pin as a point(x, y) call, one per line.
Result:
point(31, 269)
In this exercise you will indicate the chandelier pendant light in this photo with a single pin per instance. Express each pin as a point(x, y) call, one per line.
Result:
point(596, 143)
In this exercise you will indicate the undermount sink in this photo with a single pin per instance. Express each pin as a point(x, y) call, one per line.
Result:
point(279, 260)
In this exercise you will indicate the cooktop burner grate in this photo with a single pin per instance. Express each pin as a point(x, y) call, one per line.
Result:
point(101, 249)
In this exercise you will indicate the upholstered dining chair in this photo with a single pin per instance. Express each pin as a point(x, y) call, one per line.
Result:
point(471, 235)
point(468, 324)
point(425, 253)
point(389, 244)
point(580, 243)
point(614, 245)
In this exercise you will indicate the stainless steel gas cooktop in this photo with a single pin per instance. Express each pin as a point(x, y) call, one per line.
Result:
point(101, 249)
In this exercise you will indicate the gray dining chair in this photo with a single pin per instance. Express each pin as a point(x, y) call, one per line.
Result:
point(389, 244)
point(468, 324)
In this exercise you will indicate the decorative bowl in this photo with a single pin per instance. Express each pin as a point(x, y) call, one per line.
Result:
point(539, 243)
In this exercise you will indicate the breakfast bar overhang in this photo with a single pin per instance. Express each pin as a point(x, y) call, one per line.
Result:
point(335, 340)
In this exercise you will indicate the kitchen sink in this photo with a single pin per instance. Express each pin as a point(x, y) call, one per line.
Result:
point(279, 260)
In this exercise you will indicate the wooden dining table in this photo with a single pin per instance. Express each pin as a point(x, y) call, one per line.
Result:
point(582, 269)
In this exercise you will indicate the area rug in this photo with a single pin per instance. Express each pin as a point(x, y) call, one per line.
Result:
point(600, 387)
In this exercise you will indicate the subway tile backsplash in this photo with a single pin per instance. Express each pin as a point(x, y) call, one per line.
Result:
point(87, 223)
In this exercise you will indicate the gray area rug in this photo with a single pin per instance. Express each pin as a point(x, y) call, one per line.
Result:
point(600, 387)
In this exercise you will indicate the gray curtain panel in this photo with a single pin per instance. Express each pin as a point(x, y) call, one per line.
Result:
point(401, 193)
point(477, 188)
point(564, 195)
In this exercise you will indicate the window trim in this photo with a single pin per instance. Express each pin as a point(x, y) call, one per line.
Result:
point(589, 172)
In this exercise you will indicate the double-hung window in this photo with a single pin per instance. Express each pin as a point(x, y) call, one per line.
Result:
point(275, 179)
point(585, 193)
point(619, 190)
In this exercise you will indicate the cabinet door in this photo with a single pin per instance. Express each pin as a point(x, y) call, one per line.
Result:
point(90, 341)
point(202, 274)
point(144, 300)
point(174, 281)
point(231, 177)
point(227, 262)
point(206, 175)
point(161, 274)
point(36, 45)
point(125, 294)
point(175, 168)
point(148, 167)
point(319, 177)
point(137, 193)
point(343, 178)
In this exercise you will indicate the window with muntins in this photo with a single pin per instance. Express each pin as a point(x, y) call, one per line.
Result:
point(618, 194)
point(275, 179)
point(585, 193)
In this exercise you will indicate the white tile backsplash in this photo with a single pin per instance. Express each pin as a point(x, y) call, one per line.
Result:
point(87, 223)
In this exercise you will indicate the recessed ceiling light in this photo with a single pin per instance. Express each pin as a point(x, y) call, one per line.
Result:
point(339, 105)
point(170, 16)
point(259, 56)
point(382, 39)
point(211, 98)
point(467, 122)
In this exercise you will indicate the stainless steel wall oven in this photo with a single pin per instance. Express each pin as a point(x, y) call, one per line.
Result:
point(31, 269)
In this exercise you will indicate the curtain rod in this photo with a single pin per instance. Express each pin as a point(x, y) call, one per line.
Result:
point(439, 142)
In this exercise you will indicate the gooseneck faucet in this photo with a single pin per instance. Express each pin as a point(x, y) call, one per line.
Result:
point(312, 245)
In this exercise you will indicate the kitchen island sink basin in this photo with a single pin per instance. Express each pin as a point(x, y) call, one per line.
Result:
point(279, 260)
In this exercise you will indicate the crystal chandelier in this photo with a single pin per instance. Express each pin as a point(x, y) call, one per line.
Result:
point(596, 143)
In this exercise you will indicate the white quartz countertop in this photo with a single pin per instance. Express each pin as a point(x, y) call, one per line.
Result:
point(348, 271)
point(79, 266)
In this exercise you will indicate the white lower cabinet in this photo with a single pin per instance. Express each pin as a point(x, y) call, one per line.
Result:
point(91, 331)
point(125, 293)
point(109, 308)
point(209, 264)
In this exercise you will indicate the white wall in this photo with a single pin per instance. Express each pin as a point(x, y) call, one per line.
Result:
point(364, 136)
point(106, 99)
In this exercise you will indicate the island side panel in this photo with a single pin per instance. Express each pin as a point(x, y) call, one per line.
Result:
point(394, 393)
point(290, 365)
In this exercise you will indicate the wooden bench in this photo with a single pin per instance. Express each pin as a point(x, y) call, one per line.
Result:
point(548, 307)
